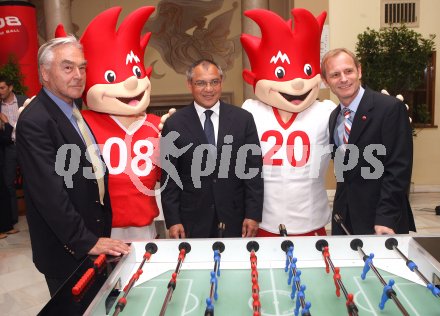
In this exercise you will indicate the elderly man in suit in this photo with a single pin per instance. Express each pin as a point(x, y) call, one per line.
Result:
point(371, 194)
point(68, 208)
point(10, 102)
point(218, 170)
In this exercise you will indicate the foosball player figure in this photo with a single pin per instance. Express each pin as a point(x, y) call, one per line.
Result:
point(256, 306)
point(434, 290)
point(255, 287)
point(209, 307)
point(215, 282)
point(386, 294)
point(368, 260)
point(299, 296)
point(306, 310)
point(351, 306)
point(291, 269)
point(296, 280)
point(217, 258)
point(253, 260)
point(289, 257)
point(336, 277)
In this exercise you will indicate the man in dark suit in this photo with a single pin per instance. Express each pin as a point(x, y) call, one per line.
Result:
point(372, 190)
point(10, 103)
point(68, 211)
point(218, 169)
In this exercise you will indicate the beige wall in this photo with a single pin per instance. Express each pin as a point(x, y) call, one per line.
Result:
point(347, 19)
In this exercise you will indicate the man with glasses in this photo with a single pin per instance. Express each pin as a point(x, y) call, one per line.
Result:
point(219, 172)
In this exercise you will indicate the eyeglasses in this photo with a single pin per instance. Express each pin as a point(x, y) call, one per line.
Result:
point(204, 84)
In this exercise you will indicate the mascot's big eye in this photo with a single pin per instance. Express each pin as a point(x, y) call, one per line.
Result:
point(137, 71)
point(307, 69)
point(110, 76)
point(280, 72)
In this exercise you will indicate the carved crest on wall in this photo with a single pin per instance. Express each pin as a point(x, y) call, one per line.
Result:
point(181, 33)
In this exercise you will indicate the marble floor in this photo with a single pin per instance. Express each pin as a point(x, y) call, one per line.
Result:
point(23, 290)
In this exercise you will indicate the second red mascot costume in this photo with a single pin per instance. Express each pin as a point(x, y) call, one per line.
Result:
point(291, 123)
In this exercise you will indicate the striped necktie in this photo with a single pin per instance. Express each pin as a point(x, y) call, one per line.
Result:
point(96, 162)
point(347, 125)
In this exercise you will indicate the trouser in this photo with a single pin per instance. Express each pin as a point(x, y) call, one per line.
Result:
point(318, 232)
point(10, 174)
point(54, 284)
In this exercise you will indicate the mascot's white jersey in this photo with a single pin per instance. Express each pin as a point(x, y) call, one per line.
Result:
point(295, 157)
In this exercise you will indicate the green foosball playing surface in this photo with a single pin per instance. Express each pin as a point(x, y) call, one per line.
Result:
point(235, 294)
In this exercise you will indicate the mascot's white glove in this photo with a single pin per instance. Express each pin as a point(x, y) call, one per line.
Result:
point(165, 116)
point(400, 97)
point(25, 104)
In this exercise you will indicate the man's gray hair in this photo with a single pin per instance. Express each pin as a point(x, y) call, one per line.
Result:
point(46, 55)
point(205, 64)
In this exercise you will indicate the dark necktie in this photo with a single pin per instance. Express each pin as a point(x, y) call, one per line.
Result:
point(209, 127)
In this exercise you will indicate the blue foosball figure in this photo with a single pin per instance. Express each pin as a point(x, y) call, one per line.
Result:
point(300, 295)
point(386, 294)
point(215, 282)
point(367, 266)
point(306, 310)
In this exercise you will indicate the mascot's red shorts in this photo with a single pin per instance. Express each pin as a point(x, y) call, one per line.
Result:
point(318, 232)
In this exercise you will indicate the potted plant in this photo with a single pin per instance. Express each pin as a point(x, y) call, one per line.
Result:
point(12, 70)
point(396, 59)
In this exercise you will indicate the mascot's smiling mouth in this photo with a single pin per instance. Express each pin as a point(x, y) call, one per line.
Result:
point(132, 101)
point(296, 99)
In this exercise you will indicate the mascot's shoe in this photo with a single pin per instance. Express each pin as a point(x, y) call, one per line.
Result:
point(3, 236)
point(12, 231)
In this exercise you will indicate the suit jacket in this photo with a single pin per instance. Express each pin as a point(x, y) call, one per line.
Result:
point(222, 195)
point(383, 200)
point(64, 214)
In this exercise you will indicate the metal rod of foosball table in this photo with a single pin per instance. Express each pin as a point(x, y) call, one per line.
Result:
point(391, 244)
point(283, 230)
point(338, 219)
point(184, 248)
point(320, 245)
point(150, 248)
point(357, 244)
point(285, 247)
point(221, 229)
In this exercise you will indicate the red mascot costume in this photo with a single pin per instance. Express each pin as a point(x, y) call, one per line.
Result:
point(292, 124)
point(117, 95)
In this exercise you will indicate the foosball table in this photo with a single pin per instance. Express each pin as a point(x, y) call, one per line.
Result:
point(343, 275)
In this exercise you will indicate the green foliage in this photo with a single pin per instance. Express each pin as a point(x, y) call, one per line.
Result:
point(421, 113)
point(393, 58)
point(12, 71)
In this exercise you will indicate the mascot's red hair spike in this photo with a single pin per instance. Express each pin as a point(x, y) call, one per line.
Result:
point(101, 36)
point(280, 44)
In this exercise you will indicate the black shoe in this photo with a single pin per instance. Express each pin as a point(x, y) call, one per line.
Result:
point(437, 210)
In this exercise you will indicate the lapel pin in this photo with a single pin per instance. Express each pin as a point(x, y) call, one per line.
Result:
point(364, 118)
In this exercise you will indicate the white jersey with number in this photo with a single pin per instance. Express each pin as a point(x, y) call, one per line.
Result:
point(296, 155)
